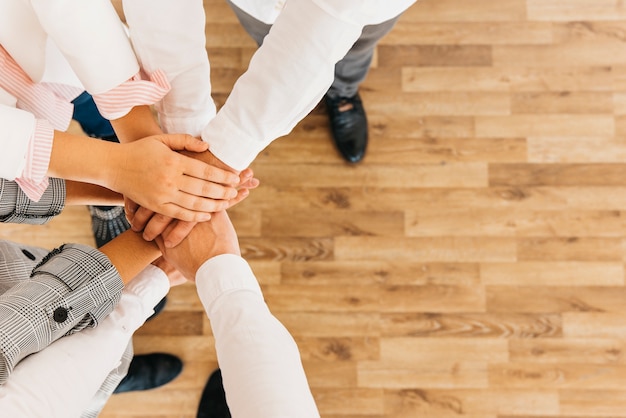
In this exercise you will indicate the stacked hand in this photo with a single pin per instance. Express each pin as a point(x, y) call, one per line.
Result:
point(174, 228)
point(170, 183)
point(166, 193)
point(206, 240)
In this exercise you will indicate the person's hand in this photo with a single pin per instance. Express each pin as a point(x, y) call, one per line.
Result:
point(174, 276)
point(206, 240)
point(172, 230)
point(149, 173)
point(208, 157)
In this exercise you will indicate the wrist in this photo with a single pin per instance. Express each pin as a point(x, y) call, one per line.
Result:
point(110, 173)
point(81, 159)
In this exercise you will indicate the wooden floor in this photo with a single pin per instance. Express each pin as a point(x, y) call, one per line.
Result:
point(473, 265)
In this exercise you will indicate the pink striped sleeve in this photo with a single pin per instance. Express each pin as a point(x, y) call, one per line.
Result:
point(64, 91)
point(33, 97)
point(117, 102)
point(33, 180)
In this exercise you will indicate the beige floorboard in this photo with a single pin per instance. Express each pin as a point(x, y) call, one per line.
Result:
point(473, 264)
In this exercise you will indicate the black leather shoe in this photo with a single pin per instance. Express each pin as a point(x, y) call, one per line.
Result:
point(213, 399)
point(348, 125)
point(149, 371)
point(158, 308)
point(107, 222)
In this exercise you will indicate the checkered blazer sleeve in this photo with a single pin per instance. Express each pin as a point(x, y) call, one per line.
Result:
point(16, 207)
point(73, 287)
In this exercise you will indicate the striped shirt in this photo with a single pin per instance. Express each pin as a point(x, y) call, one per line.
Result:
point(51, 105)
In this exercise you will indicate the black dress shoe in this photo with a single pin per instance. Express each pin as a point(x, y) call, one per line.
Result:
point(213, 399)
point(149, 371)
point(158, 308)
point(107, 222)
point(348, 125)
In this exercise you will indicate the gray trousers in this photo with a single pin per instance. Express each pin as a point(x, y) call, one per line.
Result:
point(351, 70)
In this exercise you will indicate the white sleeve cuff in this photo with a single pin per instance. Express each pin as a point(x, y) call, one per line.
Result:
point(150, 286)
point(224, 274)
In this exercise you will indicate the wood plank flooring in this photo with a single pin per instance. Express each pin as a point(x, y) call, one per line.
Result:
point(473, 265)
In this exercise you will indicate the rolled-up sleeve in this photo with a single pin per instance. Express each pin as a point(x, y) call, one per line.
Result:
point(16, 207)
point(74, 287)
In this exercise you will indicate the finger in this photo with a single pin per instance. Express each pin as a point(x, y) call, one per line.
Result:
point(178, 212)
point(198, 187)
point(141, 218)
point(189, 202)
point(176, 232)
point(198, 169)
point(252, 183)
point(245, 175)
point(247, 180)
point(179, 142)
point(160, 244)
point(241, 195)
point(130, 208)
point(156, 225)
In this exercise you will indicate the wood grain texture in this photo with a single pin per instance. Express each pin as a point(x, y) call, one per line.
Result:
point(473, 265)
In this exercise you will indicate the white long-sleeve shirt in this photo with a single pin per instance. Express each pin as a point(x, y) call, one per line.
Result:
point(51, 52)
point(286, 78)
point(92, 40)
point(261, 367)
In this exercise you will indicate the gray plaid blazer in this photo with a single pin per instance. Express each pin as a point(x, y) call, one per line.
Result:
point(46, 295)
point(17, 208)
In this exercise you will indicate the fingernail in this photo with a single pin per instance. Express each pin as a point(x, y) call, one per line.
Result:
point(168, 244)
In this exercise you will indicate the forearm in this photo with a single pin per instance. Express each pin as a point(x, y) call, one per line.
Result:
point(79, 193)
point(261, 366)
point(137, 124)
point(130, 254)
point(82, 159)
point(172, 39)
point(298, 55)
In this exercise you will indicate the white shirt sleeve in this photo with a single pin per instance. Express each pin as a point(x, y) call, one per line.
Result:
point(18, 127)
point(60, 381)
point(92, 38)
point(169, 35)
point(290, 73)
point(261, 367)
point(286, 78)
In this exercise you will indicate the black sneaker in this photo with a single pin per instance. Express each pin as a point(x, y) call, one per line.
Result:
point(348, 125)
point(213, 399)
point(149, 371)
point(107, 222)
